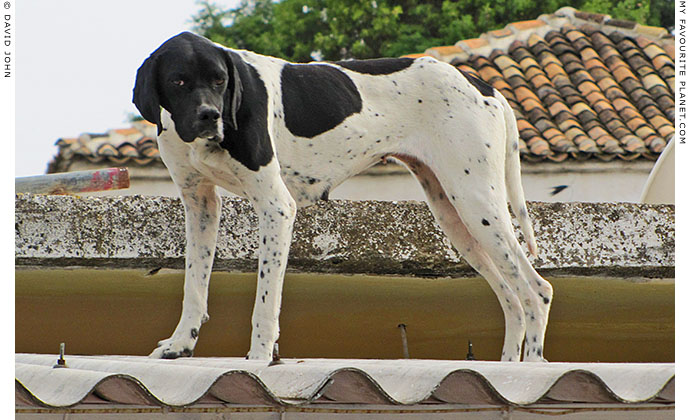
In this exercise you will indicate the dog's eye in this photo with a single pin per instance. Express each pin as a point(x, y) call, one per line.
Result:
point(178, 82)
point(219, 82)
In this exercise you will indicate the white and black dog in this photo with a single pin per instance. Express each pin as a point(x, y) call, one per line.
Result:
point(282, 135)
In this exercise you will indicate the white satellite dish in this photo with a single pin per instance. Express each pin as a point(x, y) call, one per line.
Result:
point(661, 184)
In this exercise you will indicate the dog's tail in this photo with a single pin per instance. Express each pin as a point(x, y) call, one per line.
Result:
point(516, 196)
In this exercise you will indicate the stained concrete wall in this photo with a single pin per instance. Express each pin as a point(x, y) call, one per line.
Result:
point(620, 240)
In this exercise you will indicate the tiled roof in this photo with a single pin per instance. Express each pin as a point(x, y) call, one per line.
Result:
point(137, 380)
point(133, 145)
point(581, 84)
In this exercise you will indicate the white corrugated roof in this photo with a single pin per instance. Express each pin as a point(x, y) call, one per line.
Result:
point(138, 380)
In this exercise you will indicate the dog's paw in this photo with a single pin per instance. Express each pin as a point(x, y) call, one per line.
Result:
point(172, 349)
point(259, 354)
point(534, 354)
point(535, 358)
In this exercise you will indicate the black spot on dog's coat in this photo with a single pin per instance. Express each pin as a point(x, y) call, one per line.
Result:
point(317, 98)
point(483, 87)
point(377, 66)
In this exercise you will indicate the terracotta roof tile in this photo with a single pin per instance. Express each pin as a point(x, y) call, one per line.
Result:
point(598, 101)
point(417, 55)
point(127, 150)
point(503, 61)
point(547, 57)
point(596, 17)
point(526, 24)
point(474, 43)
point(587, 86)
point(500, 33)
point(66, 142)
point(621, 104)
point(146, 141)
point(645, 132)
point(652, 81)
point(651, 111)
point(651, 30)
point(622, 73)
point(636, 122)
point(489, 73)
point(107, 149)
point(627, 24)
point(553, 70)
point(523, 93)
point(532, 104)
point(447, 50)
point(631, 156)
point(661, 60)
point(652, 50)
point(126, 146)
point(537, 146)
point(582, 92)
point(609, 86)
point(559, 108)
point(666, 130)
point(150, 152)
point(126, 131)
point(655, 144)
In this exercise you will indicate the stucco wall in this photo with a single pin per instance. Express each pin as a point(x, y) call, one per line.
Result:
point(586, 181)
point(623, 240)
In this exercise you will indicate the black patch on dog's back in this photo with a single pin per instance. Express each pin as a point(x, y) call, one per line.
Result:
point(483, 87)
point(316, 98)
point(377, 66)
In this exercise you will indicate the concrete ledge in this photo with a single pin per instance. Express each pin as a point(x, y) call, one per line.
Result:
point(620, 240)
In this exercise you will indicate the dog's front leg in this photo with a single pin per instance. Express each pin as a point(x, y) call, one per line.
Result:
point(276, 210)
point(202, 214)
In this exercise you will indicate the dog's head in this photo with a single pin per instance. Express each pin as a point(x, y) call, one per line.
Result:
point(196, 81)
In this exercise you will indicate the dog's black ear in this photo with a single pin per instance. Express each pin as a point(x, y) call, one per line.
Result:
point(233, 95)
point(146, 92)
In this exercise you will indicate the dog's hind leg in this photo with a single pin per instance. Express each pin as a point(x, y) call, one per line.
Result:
point(479, 198)
point(538, 315)
point(537, 318)
point(474, 253)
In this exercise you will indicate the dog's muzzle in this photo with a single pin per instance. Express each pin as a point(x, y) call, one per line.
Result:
point(209, 123)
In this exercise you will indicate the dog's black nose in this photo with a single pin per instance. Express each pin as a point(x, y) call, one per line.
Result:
point(207, 113)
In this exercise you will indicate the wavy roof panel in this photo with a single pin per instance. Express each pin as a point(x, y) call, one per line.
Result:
point(136, 380)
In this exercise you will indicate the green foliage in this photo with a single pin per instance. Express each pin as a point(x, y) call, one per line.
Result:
point(635, 10)
point(303, 30)
point(662, 13)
